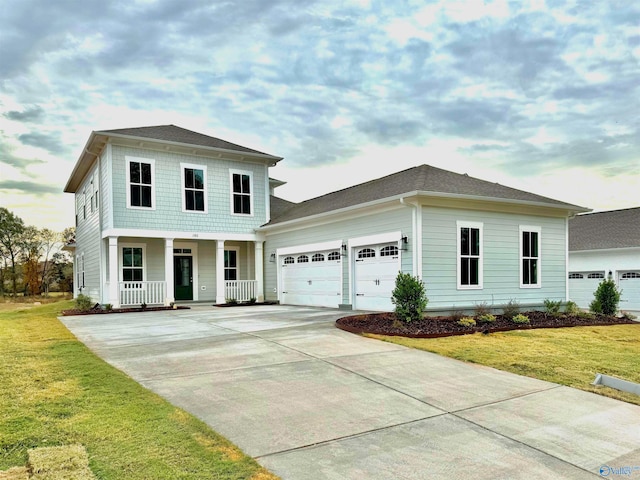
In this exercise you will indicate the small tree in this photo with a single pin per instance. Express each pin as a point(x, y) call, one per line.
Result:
point(607, 298)
point(409, 297)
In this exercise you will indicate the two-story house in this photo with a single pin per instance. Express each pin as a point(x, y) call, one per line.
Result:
point(165, 214)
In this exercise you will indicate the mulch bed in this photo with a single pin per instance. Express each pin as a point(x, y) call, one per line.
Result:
point(100, 310)
point(431, 327)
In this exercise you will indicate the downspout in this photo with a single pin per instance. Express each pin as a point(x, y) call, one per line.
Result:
point(416, 237)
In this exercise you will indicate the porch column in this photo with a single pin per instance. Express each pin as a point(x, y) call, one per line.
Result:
point(168, 271)
point(220, 285)
point(259, 271)
point(114, 294)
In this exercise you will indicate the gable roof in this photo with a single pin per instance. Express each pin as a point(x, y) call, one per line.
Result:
point(604, 230)
point(423, 179)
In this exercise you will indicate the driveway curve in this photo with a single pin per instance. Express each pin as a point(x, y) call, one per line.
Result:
point(309, 401)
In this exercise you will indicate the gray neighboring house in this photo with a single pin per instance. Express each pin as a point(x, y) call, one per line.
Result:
point(165, 214)
point(605, 244)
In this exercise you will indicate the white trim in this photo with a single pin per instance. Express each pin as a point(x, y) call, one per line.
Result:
point(566, 259)
point(536, 229)
point(417, 245)
point(267, 196)
point(480, 226)
point(605, 250)
point(249, 173)
point(387, 237)
point(332, 245)
point(145, 233)
point(121, 246)
point(109, 182)
point(150, 161)
point(194, 265)
point(194, 166)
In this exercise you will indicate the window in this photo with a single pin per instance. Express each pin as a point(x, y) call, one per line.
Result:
point(469, 255)
point(92, 194)
point(630, 275)
point(303, 259)
point(317, 257)
point(596, 275)
point(132, 264)
point(231, 265)
point(289, 260)
point(367, 253)
point(389, 251)
point(194, 182)
point(241, 192)
point(334, 256)
point(529, 256)
point(140, 184)
point(575, 276)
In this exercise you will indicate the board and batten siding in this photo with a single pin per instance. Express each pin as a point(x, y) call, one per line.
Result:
point(501, 258)
point(395, 219)
point(167, 213)
point(88, 239)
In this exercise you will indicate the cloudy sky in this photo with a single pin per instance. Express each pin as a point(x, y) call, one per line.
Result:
point(539, 95)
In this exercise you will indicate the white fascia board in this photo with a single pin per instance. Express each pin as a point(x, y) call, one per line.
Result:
point(310, 247)
point(133, 232)
point(82, 166)
point(606, 250)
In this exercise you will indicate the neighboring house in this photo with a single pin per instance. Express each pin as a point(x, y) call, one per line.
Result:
point(167, 214)
point(605, 244)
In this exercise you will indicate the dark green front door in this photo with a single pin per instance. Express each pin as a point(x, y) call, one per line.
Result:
point(183, 278)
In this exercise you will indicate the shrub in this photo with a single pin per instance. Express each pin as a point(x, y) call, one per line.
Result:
point(456, 314)
point(628, 315)
point(521, 319)
point(231, 301)
point(511, 309)
point(108, 307)
point(482, 309)
point(143, 305)
point(571, 308)
point(582, 314)
point(409, 297)
point(467, 322)
point(552, 307)
point(83, 303)
point(607, 298)
point(252, 301)
point(486, 318)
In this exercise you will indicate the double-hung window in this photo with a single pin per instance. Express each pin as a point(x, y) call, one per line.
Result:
point(241, 192)
point(529, 257)
point(469, 255)
point(140, 182)
point(194, 183)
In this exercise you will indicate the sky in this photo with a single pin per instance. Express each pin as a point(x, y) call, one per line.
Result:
point(539, 95)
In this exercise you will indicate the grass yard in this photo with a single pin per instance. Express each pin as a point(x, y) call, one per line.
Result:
point(54, 391)
point(568, 356)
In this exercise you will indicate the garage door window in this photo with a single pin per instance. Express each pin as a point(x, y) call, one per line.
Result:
point(630, 275)
point(289, 260)
point(367, 253)
point(334, 256)
point(389, 251)
point(317, 257)
point(575, 276)
point(303, 259)
point(596, 275)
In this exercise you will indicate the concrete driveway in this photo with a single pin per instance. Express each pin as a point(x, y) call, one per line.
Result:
point(309, 401)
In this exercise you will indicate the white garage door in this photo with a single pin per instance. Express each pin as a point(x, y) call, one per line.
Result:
point(582, 285)
point(375, 271)
point(629, 283)
point(312, 278)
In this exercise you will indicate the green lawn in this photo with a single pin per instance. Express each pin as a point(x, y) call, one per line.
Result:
point(54, 391)
point(568, 356)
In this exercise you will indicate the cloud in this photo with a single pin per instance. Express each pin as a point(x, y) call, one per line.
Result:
point(33, 114)
point(47, 141)
point(31, 188)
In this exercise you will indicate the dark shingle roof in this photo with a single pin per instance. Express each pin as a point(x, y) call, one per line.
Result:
point(279, 206)
point(612, 229)
point(423, 178)
point(172, 133)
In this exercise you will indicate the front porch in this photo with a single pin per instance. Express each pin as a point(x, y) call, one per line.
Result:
point(161, 271)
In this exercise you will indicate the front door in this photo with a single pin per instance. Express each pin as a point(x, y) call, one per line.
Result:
point(183, 278)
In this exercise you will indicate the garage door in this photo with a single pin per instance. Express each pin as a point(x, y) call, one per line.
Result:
point(312, 278)
point(582, 285)
point(629, 283)
point(375, 271)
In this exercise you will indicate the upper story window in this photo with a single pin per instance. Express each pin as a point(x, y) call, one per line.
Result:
point(241, 192)
point(194, 183)
point(140, 182)
point(529, 256)
point(470, 258)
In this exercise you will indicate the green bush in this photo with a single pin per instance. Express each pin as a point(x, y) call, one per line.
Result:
point(467, 322)
point(571, 308)
point(231, 301)
point(252, 301)
point(511, 309)
point(83, 303)
point(108, 307)
point(486, 318)
point(522, 319)
point(456, 314)
point(409, 297)
point(552, 307)
point(607, 298)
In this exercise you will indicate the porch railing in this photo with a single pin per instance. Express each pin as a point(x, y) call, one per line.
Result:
point(240, 290)
point(137, 293)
